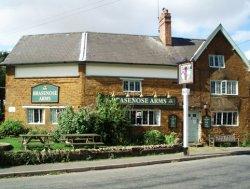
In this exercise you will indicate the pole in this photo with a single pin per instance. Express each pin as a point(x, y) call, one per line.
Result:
point(185, 93)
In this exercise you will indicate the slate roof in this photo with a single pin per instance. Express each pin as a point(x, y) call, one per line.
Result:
point(101, 47)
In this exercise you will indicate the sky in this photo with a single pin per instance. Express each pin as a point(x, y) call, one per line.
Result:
point(190, 18)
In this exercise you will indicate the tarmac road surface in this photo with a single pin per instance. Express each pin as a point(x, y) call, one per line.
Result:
point(222, 172)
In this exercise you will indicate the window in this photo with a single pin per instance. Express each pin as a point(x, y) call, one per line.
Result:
point(54, 113)
point(36, 116)
point(216, 61)
point(131, 86)
point(145, 117)
point(224, 87)
point(225, 118)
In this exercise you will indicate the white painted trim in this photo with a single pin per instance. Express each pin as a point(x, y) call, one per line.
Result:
point(130, 71)
point(44, 117)
point(131, 79)
point(211, 37)
point(43, 107)
point(82, 55)
point(224, 94)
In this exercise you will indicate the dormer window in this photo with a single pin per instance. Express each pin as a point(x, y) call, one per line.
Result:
point(216, 61)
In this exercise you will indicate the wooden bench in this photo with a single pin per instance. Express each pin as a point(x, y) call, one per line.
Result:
point(223, 138)
point(77, 140)
point(34, 138)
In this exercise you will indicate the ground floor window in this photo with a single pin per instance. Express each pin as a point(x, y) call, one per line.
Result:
point(145, 117)
point(225, 118)
point(36, 116)
point(55, 113)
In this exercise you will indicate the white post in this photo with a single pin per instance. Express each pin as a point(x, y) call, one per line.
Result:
point(185, 93)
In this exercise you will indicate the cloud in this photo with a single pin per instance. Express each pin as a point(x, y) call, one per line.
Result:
point(190, 18)
point(247, 53)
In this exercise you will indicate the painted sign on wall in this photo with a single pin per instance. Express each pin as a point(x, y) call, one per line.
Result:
point(44, 93)
point(207, 121)
point(162, 101)
point(172, 121)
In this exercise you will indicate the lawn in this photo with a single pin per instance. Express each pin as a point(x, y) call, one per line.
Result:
point(16, 143)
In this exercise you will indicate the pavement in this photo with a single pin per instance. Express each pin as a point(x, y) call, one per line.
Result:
point(83, 166)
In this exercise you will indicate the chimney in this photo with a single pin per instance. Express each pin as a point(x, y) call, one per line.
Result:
point(165, 27)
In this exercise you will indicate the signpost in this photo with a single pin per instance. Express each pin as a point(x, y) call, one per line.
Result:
point(185, 76)
point(44, 93)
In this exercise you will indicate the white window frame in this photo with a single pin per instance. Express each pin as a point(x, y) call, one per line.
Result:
point(222, 125)
point(131, 80)
point(146, 125)
point(225, 82)
point(51, 111)
point(213, 63)
point(34, 123)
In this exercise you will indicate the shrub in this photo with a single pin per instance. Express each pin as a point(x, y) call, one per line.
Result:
point(108, 118)
point(112, 121)
point(12, 127)
point(37, 130)
point(171, 139)
point(153, 137)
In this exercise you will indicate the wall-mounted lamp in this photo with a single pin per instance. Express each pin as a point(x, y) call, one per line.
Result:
point(113, 94)
point(155, 95)
point(141, 95)
point(168, 96)
point(127, 95)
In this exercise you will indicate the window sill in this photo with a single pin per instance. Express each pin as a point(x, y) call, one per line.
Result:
point(225, 125)
point(146, 125)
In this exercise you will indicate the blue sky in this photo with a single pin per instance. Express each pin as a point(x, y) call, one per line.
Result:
point(190, 18)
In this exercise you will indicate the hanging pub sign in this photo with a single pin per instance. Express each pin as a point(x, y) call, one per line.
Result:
point(186, 73)
point(172, 121)
point(157, 101)
point(207, 121)
point(45, 93)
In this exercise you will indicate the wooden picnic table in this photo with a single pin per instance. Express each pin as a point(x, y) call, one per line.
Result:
point(83, 139)
point(41, 138)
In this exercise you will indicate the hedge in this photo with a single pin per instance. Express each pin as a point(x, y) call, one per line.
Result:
point(36, 157)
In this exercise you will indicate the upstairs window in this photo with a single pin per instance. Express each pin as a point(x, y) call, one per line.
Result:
point(131, 85)
point(224, 87)
point(216, 61)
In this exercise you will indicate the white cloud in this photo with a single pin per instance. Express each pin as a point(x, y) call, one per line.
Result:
point(190, 18)
point(247, 53)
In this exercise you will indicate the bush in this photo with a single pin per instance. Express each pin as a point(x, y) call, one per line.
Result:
point(171, 139)
point(108, 118)
point(12, 127)
point(153, 137)
point(112, 121)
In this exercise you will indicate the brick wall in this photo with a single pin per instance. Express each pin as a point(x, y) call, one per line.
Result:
point(235, 69)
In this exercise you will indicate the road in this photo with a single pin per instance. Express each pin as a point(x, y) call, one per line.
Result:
point(222, 172)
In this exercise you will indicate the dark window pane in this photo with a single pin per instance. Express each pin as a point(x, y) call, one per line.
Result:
point(145, 117)
point(151, 117)
point(125, 85)
point(216, 61)
point(224, 118)
point(137, 86)
point(36, 116)
point(219, 118)
point(234, 118)
point(132, 86)
point(229, 118)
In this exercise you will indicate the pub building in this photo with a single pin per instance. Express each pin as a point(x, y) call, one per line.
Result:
point(48, 72)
